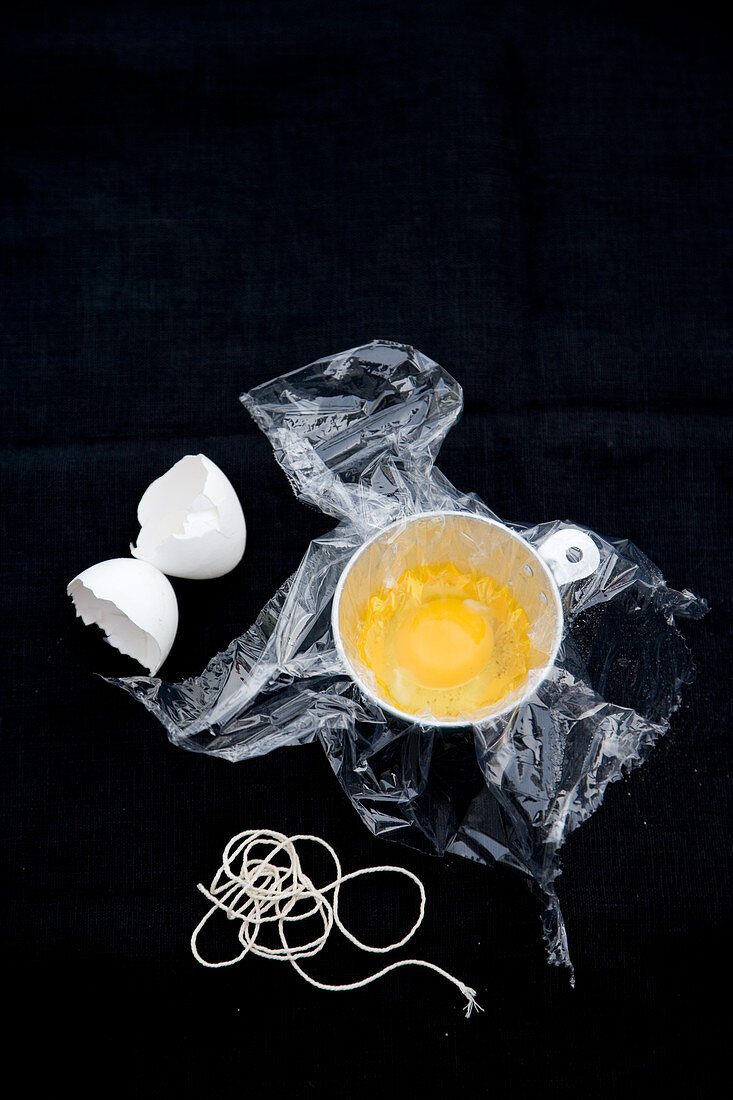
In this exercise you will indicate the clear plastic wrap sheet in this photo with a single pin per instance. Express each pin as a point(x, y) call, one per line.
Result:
point(357, 435)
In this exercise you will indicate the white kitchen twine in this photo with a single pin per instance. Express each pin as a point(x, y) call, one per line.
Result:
point(256, 890)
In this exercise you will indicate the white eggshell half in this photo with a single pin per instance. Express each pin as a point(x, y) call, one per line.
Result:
point(134, 604)
point(191, 521)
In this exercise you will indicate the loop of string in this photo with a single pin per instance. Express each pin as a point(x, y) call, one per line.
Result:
point(261, 881)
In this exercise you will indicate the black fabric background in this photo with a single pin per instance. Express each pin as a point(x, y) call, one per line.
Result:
point(200, 196)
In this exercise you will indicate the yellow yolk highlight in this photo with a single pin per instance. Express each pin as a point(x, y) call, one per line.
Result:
point(444, 641)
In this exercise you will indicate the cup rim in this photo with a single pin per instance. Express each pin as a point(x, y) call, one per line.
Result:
point(445, 723)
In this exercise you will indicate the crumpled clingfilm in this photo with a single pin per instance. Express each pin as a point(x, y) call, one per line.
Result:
point(357, 435)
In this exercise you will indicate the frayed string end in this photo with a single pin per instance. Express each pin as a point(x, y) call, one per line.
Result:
point(470, 995)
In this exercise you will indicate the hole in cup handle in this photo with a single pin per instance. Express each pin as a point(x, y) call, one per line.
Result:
point(571, 555)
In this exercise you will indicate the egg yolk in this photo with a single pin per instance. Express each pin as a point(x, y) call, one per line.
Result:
point(444, 641)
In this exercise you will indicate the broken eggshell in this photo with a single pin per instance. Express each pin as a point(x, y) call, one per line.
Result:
point(191, 521)
point(133, 603)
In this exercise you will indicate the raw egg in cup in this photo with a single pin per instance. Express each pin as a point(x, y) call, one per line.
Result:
point(454, 619)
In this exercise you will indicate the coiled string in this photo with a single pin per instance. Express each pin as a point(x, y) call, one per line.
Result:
point(261, 881)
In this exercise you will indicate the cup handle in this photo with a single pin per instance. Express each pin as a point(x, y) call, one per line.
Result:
point(571, 555)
